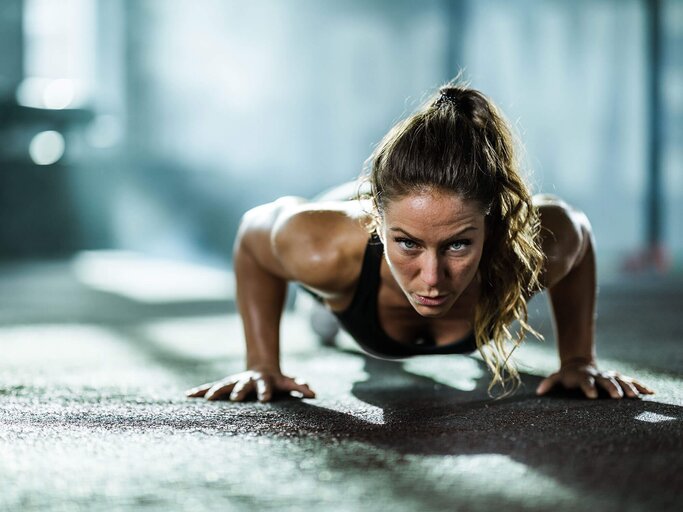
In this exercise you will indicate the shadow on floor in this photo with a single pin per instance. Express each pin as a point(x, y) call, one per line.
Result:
point(619, 450)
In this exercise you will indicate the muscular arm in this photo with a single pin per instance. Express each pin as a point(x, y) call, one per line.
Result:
point(261, 287)
point(285, 242)
point(261, 291)
point(276, 243)
point(570, 277)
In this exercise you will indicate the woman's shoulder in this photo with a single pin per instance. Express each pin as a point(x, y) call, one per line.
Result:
point(565, 235)
point(321, 244)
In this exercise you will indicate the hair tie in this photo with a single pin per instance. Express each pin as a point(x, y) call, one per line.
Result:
point(448, 96)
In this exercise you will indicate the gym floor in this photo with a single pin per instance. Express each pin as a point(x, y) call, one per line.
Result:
point(93, 415)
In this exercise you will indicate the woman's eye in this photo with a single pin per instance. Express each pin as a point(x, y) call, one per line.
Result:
point(405, 243)
point(460, 245)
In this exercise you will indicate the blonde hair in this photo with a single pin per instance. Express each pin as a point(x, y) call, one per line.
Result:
point(459, 142)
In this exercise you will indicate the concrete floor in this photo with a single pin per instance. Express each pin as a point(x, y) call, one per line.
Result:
point(93, 417)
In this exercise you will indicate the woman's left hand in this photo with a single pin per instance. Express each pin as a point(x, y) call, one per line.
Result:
point(586, 376)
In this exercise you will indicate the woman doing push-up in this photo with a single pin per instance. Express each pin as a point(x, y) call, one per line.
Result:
point(440, 257)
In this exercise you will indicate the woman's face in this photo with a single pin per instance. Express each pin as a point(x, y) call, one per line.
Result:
point(433, 242)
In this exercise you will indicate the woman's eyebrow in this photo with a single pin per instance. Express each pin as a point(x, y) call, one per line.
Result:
point(460, 233)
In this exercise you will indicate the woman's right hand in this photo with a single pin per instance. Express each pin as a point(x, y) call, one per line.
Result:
point(263, 383)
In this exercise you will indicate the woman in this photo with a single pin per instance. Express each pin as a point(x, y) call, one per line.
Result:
point(449, 245)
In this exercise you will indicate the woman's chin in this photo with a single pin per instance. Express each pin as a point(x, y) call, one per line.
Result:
point(431, 314)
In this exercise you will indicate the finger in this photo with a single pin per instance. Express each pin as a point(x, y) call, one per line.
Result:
point(199, 391)
point(643, 389)
point(264, 390)
point(588, 387)
point(547, 384)
point(298, 387)
point(303, 387)
point(628, 387)
point(610, 385)
point(241, 390)
point(219, 390)
point(305, 390)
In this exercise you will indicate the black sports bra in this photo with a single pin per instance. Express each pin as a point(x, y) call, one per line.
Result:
point(361, 318)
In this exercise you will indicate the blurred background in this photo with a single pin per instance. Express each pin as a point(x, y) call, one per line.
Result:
point(151, 125)
point(135, 133)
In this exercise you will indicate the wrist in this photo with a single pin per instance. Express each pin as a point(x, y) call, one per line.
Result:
point(262, 360)
point(263, 366)
point(577, 361)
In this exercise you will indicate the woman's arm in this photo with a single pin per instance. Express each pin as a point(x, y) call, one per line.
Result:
point(570, 277)
point(571, 281)
point(261, 287)
point(319, 245)
point(261, 291)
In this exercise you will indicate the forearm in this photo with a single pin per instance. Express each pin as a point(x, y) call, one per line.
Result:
point(573, 301)
point(260, 300)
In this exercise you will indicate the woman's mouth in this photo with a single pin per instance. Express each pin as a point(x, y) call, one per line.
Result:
point(430, 301)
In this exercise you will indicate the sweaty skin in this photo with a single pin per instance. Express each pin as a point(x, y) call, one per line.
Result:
point(429, 281)
point(433, 244)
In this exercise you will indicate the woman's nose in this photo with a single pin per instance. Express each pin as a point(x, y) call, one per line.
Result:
point(432, 271)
